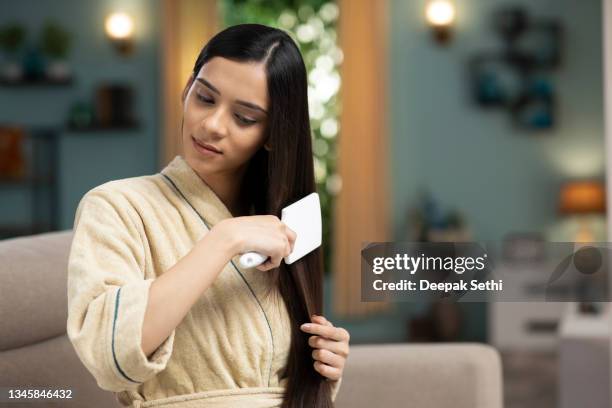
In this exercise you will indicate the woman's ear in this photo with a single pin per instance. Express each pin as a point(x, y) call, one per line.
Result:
point(186, 89)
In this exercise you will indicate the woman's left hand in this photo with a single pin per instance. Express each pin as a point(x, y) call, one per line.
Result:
point(330, 344)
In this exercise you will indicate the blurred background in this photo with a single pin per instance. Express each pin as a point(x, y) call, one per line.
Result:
point(454, 120)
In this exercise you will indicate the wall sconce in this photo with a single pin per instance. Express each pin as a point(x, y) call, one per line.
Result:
point(119, 29)
point(440, 16)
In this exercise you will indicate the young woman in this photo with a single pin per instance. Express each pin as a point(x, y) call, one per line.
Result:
point(160, 310)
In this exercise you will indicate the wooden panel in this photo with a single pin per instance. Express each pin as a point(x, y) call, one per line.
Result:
point(362, 212)
point(187, 26)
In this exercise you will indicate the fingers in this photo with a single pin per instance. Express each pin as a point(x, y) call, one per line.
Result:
point(275, 259)
point(266, 266)
point(330, 332)
point(270, 263)
point(330, 372)
point(337, 347)
point(321, 320)
point(328, 357)
point(288, 239)
point(281, 245)
point(330, 346)
point(291, 236)
point(288, 249)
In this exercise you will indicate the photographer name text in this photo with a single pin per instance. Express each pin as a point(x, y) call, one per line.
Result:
point(424, 284)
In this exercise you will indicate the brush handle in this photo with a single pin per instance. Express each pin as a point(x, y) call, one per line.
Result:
point(252, 259)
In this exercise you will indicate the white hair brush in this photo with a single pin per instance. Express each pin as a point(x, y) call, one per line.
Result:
point(304, 218)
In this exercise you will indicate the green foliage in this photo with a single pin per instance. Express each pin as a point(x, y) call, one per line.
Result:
point(261, 11)
point(55, 41)
point(312, 24)
point(12, 37)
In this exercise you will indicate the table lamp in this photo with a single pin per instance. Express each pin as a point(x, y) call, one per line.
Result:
point(583, 197)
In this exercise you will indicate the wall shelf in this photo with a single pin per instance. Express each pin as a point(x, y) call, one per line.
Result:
point(100, 128)
point(26, 181)
point(25, 82)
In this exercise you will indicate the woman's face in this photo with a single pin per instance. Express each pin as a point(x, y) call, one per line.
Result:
point(224, 107)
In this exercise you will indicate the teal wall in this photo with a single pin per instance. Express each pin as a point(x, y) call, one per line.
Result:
point(87, 159)
point(474, 160)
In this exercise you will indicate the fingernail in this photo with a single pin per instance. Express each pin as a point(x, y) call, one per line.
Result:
point(306, 326)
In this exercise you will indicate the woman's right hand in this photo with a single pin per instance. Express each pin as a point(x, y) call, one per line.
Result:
point(265, 234)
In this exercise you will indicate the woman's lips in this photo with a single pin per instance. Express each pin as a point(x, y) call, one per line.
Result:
point(203, 149)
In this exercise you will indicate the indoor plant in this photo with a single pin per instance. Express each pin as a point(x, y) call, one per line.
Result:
point(12, 37)
point(55, 44)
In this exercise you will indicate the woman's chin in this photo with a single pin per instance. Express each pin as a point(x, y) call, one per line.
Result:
point(202, 165)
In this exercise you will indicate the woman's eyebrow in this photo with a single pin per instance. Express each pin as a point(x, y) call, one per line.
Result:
point(244, 103)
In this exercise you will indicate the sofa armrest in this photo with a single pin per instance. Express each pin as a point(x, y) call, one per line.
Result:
point(33, 272)
point(422, 375)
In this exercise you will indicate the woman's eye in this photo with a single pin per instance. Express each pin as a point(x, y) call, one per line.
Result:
point(241, 119)
point(204, 99)
point(244, 120)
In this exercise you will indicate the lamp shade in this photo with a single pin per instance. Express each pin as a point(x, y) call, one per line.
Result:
point(582, 197)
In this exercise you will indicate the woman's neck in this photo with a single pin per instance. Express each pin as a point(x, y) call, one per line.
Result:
point(228, 189)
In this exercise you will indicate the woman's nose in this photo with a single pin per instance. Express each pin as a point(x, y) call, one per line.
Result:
point(215, 123)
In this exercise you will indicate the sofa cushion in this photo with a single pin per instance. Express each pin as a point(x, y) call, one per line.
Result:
point(461, 375)
point(33, 297)
point(52, 364)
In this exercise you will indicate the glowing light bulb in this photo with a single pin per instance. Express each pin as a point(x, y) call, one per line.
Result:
point(440, 12)
point(119, 26)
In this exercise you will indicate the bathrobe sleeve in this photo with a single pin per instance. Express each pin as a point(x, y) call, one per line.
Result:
point(108, 294)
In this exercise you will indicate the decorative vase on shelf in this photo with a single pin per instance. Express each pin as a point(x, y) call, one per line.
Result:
point(11, 71)
point(58, 70)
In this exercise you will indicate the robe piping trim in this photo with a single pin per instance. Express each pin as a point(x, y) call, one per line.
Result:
point(237, 270)
point(113, 340)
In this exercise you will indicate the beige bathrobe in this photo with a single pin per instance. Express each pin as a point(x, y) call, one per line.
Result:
point(230, 350)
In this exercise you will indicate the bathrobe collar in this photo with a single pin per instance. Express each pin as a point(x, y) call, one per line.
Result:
point(197, 193)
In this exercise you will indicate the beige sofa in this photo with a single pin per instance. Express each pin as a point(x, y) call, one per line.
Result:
point(35, 352)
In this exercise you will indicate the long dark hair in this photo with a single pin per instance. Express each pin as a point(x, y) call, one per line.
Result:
point(279, 177)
